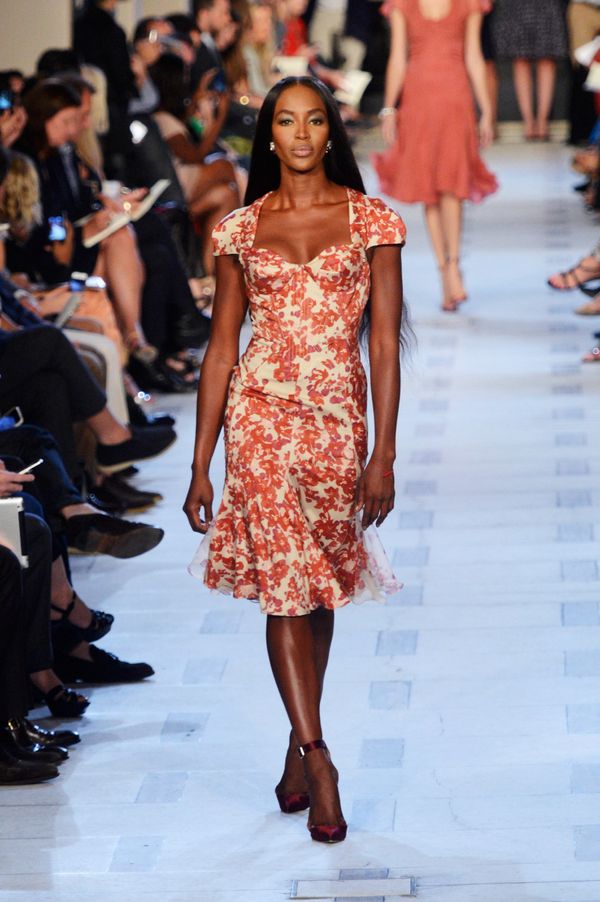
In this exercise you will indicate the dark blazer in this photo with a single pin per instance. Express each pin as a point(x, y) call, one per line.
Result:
point(98, 39)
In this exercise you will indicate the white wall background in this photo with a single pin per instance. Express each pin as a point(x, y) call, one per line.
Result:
point(28, 27)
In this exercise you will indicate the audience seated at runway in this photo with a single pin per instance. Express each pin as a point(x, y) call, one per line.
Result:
point(585, 274)
point(102, 288)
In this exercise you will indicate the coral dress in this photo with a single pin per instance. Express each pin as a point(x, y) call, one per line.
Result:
point(295, 426)
point(436, 149)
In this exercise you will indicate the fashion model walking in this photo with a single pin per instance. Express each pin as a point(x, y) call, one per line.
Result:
point(433, 155)
point(314, 259)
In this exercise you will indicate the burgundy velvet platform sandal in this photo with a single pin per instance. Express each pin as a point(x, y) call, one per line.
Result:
point(291, 802)
point(328, 833)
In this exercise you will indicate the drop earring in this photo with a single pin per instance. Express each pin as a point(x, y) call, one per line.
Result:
point(272, 146)
point(328, 146)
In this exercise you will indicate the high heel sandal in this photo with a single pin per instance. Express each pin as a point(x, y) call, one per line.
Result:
point(568, 278)
point(457, 298)
point(290, 802)
point(98, 627)
point(327, 833)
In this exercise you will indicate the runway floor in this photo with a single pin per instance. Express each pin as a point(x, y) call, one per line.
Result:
point(464, 716)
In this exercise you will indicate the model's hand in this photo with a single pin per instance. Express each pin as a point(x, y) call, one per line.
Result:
point(200, 496)
point(388, 128)
point(375, 493)
point(11, 483)
point(486, 130)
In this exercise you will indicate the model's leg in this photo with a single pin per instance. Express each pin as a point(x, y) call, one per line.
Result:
point(121, 262)
point(433, 218)
point(491, 73)
point(292, 653)
point(293, 779)
point(546, 82)
point(451, 216)
point(524, 90)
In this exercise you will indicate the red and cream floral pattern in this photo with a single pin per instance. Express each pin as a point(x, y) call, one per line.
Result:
point(295, 426)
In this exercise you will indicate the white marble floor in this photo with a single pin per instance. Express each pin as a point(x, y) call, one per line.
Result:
point(464, 716)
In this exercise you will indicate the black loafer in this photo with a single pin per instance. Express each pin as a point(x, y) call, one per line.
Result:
point(9, 743)
point(14, 772)
point(116, 490)
point(144, 444)
point(32, 732)
point(103, 668)
point(97, 534)
point(139, 417)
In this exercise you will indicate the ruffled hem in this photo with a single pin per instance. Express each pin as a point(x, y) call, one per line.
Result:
point(376, 581)
point(393, 184)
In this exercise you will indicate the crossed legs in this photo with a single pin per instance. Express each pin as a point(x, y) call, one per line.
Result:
point(298, 649)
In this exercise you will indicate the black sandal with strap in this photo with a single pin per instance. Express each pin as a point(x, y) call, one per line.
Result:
point(569, 274)
point(99, 626)
point(64, 702)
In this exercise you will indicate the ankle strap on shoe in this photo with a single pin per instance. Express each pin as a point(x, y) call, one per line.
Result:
point(311, 746)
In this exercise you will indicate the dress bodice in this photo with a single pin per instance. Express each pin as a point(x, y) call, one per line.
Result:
point(306, 316)
point(436, 43)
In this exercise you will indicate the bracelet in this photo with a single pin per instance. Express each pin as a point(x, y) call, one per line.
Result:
point(386, 111)
point(389, 473)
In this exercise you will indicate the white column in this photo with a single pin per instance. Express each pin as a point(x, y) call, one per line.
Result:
point(28, 27)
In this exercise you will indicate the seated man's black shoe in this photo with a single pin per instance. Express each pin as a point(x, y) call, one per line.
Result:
point(104, 503)
point(191, 329)
point(33, 753)
point(139, 417)
point(156, 375)
point(145, 443)
point(114, 489)
point(97, 534)
point(103, 668)
point(21, 736)
point(14, 772)
point(32, 732)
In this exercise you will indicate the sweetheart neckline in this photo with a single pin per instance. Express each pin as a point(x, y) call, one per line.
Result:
point(330, 247)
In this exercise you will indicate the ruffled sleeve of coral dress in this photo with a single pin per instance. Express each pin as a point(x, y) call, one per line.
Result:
point(286, 533)
point(436, 150)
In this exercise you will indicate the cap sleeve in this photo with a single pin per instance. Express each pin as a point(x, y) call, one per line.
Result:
point(228, 234)
point(384, 226)
point(473, 6)
point(389, 6)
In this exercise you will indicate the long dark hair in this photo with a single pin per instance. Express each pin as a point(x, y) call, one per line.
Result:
point(43, 102)
point(171, 80)
point(340, 165)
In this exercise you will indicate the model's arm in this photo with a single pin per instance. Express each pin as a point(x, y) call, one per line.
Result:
point(229, 310)
point(394, 73)
point(475, 64)
point(376, 490)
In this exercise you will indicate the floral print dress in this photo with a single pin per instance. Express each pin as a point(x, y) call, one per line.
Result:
point(295, 426)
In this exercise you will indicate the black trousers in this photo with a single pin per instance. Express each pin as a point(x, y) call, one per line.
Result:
point(41, 372)
point(25, 643)
point(36, 594)
point(166, 294)
point(13, 680)
point(52, 486)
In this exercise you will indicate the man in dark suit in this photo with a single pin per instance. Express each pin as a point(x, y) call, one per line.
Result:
point(99, 40)
point(211, 16)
